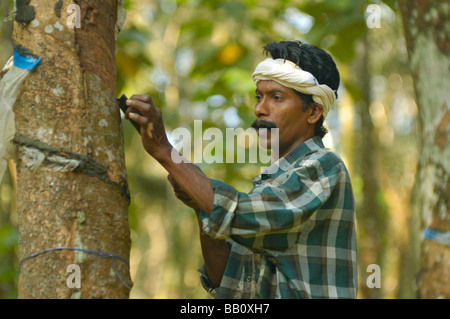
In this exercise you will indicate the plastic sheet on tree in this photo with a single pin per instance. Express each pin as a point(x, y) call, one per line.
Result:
point(18, 68)
point(121, 17)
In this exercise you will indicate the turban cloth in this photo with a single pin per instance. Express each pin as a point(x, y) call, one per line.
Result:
point(292, 76)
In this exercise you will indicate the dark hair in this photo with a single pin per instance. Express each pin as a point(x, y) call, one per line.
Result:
point(312, 59)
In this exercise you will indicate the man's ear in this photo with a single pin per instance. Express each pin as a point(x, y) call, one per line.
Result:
point(316, 113)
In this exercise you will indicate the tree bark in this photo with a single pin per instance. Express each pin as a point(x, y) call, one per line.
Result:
point(72, 189)
point(426, 29)
point(371, 216)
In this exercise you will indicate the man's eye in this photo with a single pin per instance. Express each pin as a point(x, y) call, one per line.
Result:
point(277, 98)
point(258, 97)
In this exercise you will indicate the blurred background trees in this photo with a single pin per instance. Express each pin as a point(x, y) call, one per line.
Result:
point(195, 58)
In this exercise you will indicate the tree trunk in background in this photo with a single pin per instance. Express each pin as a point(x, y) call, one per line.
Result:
point(370, 213)
point(426, 24)
point(72, 189)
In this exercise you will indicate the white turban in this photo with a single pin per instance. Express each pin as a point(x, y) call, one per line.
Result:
point(291, 75)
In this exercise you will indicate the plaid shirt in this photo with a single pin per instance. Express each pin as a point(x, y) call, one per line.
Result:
point(293, 235)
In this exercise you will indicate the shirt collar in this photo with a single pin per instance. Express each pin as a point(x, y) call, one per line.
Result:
point(284, 163)
point(313, 144)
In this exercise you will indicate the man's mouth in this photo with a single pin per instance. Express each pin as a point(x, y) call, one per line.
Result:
point(259, 124)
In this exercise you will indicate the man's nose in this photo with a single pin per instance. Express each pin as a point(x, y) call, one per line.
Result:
point(261, 108)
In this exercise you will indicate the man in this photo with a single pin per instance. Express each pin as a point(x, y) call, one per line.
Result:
point(293, 235)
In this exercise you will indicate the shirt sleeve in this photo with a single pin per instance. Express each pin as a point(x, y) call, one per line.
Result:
point(273, 213)
point(206, 282)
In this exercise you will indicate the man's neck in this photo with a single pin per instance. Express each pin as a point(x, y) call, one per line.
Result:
point(286, 150)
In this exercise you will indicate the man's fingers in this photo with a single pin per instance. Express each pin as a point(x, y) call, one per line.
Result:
point(143, 108)
point(138, 118)
point(142, 113)
point(139, 106)
point(131, 110)
point(142, 98)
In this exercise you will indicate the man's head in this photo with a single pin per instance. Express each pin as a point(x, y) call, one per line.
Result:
point(308, 71)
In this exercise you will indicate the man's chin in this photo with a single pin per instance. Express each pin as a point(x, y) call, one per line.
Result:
point(265, 141)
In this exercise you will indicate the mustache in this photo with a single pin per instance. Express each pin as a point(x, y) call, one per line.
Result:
point(258, 124)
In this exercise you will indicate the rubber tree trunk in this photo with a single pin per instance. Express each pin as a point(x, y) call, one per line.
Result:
point(426, 29)
point(72, 189)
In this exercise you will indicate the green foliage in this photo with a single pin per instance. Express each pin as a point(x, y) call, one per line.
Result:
point(8, 241)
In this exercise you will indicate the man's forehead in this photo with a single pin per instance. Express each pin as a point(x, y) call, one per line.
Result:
point(270, 86)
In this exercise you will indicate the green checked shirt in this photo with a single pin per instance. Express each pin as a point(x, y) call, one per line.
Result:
point(293, 235)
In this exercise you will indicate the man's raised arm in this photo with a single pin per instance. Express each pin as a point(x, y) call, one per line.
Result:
point(188, 176)
point(190, 184)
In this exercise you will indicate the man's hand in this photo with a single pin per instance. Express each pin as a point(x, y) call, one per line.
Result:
point(189, 177)
point(142, 110)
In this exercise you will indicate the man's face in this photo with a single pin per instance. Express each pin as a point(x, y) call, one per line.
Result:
point(279, 106)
